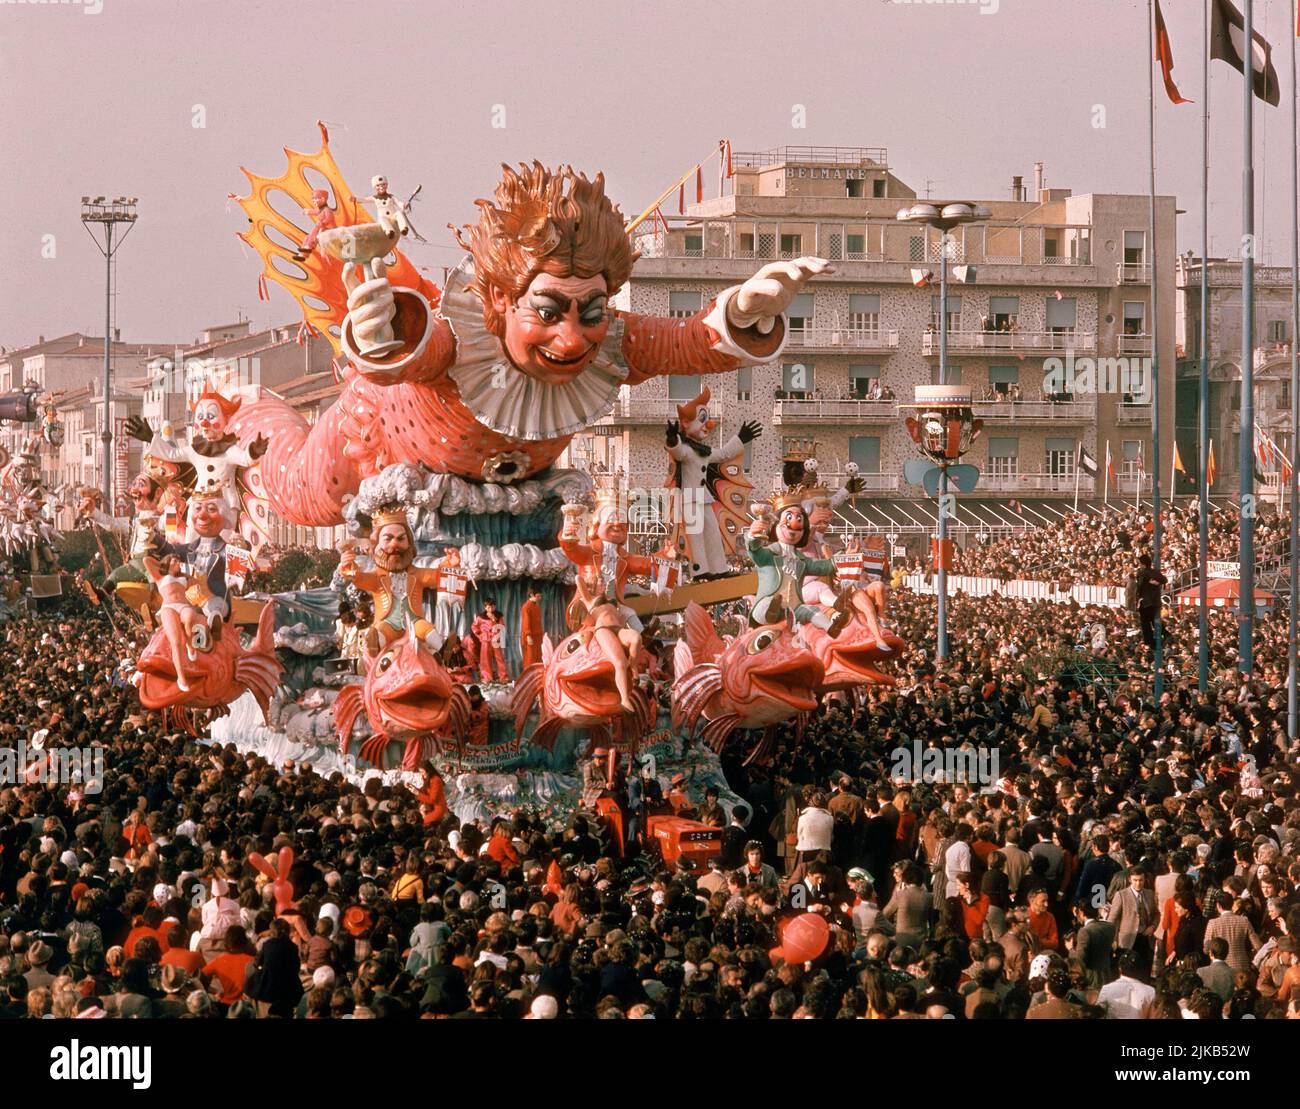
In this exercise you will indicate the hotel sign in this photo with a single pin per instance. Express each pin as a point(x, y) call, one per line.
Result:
point(827, 173)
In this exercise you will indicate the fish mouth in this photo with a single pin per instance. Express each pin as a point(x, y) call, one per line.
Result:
point(593, 688)
point(793, 682)
point(418, 704)
point(157, 683)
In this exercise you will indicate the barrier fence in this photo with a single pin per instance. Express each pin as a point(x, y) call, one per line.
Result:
point(1108, 596)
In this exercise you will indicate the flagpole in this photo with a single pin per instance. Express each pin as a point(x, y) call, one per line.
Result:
point(1246, 461)
point(1105, 488)
point(1293, 629)
point(1158, 654)
point(1077, 469)
point(1203, 416)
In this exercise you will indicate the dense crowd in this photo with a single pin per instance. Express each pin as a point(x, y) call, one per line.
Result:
point(1121, 858)
point(1082, 549)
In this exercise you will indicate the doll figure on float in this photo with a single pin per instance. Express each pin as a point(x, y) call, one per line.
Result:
point(322, 219)
point(604, 565)
point(706, 505)
point(210, 522)
point(489, 629)
point(522, 351)
point(396, 584)
point(452, 588)
point(393, 215)
point(183, 623)
point(141, 529)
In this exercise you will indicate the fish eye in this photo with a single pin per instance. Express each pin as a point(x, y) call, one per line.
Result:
point(572, 645)
point(385, 663)
point(762, 641)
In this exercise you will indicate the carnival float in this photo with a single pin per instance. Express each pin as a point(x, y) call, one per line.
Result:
point(488, 613)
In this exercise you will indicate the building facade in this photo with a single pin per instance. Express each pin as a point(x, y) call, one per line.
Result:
point(1051, 330)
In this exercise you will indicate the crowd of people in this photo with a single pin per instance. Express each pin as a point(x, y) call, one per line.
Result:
point(1087, 550)
point(1111, 856)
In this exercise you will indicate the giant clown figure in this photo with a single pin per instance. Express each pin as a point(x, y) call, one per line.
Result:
point(523, 351)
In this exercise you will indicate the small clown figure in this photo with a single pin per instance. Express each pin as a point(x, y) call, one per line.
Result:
point(322, 217)
point(213, 451)
point(391, 214)
point(616, 627)
point(706, 508)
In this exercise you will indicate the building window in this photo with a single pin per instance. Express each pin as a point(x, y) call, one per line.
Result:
point(854, 188)
point(744, 382)
point(916, 248)
point(1062, 315)
point(865, 451)
point(1004, 313)
point(791, 246)
point(745, 245)
point(766, 244)
point(1135, 316)
point(954, 375)
point(1061, 457)
point(796, 380)
point(857, 247)
point(864, 313)
point(694, 246)
point(1003, 378)
point(683, 305)
point(799, 315)
point(1277, 331)
point(1129, 464)
point(1004, 457)
point(1135, 247)
point(954, 312)
point(683, 387)
point(878, 187)
point(862, 379)
point(834, 246)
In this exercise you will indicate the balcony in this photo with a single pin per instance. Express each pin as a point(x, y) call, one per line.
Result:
point(1133, 273)
point(1133, 414)
point(1003, 342)
point(1132, 484)
point(1135, 344)
point(843, 338)
point(1035, 483)
point(1274, 354)
point(786, 412)
point(1037, 411)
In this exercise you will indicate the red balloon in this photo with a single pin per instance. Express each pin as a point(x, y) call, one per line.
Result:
point(804, 938)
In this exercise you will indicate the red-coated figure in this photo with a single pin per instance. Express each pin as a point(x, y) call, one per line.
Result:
point(490, 630)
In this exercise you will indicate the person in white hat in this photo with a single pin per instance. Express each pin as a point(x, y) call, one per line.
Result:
point(544, 1007)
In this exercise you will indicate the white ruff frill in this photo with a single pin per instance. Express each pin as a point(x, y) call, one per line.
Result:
point(506, 399)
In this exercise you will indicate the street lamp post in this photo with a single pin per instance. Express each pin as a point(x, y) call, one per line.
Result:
point(107, 214)
point(943, 218)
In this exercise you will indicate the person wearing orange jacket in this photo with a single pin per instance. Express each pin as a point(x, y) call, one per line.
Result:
point(530, 627)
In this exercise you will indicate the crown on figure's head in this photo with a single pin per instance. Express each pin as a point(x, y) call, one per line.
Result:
point(812, 488)
point(389, 514)
point(210, 488)
point(790, 496)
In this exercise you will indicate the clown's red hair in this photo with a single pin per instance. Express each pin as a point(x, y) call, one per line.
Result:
point(691, 408)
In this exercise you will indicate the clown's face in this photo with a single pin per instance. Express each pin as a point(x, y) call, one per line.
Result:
point(320, 198)
point(209, 419)
point(554, 330)
point(380, 185)
point(790, 526)
point(208, 517)
point(701, 425)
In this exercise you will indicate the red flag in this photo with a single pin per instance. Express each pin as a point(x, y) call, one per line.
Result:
point(699, 184)
point(1110, 464)
point(729, 173)
point(1165, 56)
point(1210, 470)
point(681, 200)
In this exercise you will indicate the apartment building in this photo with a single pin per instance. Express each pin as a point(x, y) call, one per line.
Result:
point(1050, 276)
point(1272, 364)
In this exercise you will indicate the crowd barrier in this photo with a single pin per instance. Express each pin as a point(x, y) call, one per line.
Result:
point(1107, 596)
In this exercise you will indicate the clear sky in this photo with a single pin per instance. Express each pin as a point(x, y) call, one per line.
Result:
point(105, 104)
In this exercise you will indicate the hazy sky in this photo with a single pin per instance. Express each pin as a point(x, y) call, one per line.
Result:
point(104, 104)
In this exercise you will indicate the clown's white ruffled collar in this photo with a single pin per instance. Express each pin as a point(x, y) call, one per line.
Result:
point(506, 399)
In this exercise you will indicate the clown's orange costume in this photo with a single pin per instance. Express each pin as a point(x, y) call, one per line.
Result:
point(522, 351)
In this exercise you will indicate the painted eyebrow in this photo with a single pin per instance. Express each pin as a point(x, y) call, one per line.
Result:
point(560, 301)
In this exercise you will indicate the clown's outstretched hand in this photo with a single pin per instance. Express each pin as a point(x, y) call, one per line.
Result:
point(761, 299)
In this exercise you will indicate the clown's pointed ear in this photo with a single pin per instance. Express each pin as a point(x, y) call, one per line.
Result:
point(691, 409)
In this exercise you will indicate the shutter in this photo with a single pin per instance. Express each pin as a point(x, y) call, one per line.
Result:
point(1063, 312)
